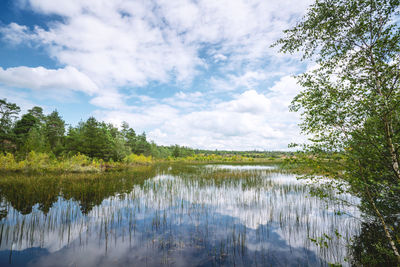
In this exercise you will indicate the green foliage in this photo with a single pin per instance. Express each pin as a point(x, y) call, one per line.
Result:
point(22, 128)
point(42, 144)
point(35, 141)
point(37, 113)
point(94, 139)
point(8, 162)
point(54, 132)
point(138, 159)
point(97, 140)
point(140, 145)
point(37, 161)
point(8, 113)
point(176, 153)
point(350, 103)
point(370, 247)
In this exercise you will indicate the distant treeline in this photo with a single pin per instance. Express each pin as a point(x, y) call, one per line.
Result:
point(249, 154)
point(36, 131)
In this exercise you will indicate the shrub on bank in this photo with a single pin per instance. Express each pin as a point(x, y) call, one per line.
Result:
point(41, 162)
point(138, 159)
point(8, 162)
point(210, 158)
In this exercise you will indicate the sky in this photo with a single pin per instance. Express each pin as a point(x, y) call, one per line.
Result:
point(194, 73)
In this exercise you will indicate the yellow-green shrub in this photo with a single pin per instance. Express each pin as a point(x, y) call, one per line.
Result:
point(36, 161)
point(138, 159)
point(8, 162)
point(80, 159)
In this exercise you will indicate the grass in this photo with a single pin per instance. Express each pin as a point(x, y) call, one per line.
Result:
point(43, 163)
point(220, 211)
point(36, 162)
point(234, 159)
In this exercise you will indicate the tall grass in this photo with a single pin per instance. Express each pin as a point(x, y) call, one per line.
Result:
point(79, 163)
point(213, 216)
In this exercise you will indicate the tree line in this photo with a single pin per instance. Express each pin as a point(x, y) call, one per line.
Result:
point(48, 133)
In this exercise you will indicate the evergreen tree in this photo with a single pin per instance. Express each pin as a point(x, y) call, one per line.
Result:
point(8, 113)
point(54, 131)
point(35, 141)
point(22, 128)
point(129, 136)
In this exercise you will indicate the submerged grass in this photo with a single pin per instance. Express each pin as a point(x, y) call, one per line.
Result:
point(172, 208)
point(24, 191)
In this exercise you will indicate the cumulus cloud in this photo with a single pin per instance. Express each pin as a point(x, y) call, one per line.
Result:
point(109, 99)
point(248, 80)
point(251, 120)
point(110, 42)
point(68, 78)
point(249, 102)
point(113, 49)
point(133, 42)
point(15, 33)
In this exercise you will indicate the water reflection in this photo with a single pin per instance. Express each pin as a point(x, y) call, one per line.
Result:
point(184, 215)
point(242, 167)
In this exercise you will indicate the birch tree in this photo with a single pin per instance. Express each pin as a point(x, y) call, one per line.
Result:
point(350, 102)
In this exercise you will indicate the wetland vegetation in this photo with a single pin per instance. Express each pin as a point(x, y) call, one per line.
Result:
point(169, 205)
point(173, 214)
point(36, 142)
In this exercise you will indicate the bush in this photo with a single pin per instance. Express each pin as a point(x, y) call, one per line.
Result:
point(36, 161)
point(138, 159)
point(8, 162)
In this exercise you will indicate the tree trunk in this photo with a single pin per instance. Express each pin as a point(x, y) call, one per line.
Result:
point(392, 149)
point(385, 228)
point(381, 219)
point(387, 119)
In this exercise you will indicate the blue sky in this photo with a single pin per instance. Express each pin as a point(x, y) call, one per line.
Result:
point(195, 73)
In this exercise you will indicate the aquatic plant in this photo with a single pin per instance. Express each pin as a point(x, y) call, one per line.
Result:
point(159, 213)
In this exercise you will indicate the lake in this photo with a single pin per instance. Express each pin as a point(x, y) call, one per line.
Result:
point(173, 215)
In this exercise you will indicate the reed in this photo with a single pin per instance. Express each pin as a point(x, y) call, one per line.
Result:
point(165, 214)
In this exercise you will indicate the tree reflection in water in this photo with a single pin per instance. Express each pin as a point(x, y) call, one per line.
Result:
point(184, 215)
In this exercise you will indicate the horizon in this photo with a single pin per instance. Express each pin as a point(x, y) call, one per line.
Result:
point(214, 85)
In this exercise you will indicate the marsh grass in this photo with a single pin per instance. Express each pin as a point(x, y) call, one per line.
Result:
point(221, 159)
point(171, 214)
point(36, 162)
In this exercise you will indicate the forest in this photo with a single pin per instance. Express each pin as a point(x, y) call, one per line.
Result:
point(48, 133)
point(35, 138)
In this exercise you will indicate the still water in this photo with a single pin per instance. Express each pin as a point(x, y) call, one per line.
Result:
point(174, 215)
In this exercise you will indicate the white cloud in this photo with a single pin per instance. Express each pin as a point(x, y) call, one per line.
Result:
point(249, 102)
point(109, 99)
point(15, 33)
point(22, 99)
point(220, 57)
point(112, 48)
point(63, 8)
point(132, 42)
point(250, 120)
point(41, 78)
point(187, 101)
point(248, 80)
